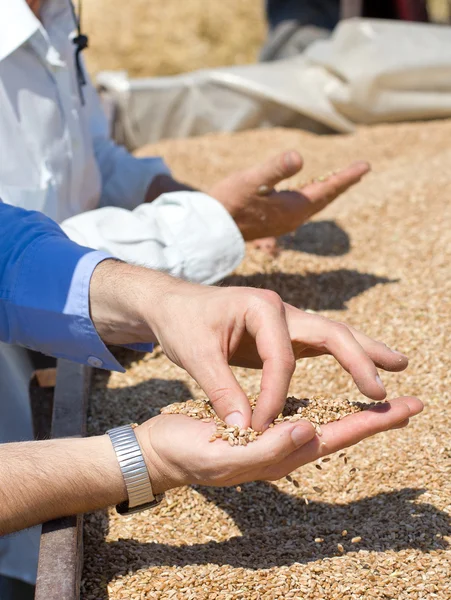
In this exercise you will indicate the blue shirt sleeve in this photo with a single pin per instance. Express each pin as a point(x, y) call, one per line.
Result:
point(44, 290)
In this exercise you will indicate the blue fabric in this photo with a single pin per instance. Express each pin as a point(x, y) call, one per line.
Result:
point(44, 290)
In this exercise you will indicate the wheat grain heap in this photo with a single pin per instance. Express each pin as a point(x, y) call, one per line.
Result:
point(318, 410)
point(150, 37)
point(374, 523)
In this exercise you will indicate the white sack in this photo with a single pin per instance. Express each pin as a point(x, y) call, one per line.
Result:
point(369, 71)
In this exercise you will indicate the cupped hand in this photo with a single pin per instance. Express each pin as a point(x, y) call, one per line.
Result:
point(178, 451)
point(276, 212)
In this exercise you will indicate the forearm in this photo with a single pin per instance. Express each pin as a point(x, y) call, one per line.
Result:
point(40, 481)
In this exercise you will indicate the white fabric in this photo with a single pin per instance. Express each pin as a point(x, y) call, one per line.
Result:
point(369, 71)
point(56, 155)
point(174, 226)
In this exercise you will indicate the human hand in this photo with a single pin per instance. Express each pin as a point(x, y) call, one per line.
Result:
point(313, 335)
point(275, 213)
point(204, 329)
point(178, 452)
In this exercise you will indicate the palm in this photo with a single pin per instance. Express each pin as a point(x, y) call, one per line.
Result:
point(187, 456)
point(279, 212)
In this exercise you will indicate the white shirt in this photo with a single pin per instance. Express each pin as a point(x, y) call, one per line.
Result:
point(56, 156)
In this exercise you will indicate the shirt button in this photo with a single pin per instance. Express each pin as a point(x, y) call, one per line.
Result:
point(95, 362)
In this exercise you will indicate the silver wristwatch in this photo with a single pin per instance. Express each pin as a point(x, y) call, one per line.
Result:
point(134, 471)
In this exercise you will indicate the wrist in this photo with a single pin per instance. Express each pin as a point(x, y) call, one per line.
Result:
point(116, 303)
point(162, 477)
point(163, 184)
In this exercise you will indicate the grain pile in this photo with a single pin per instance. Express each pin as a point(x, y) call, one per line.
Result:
point(151, 37)
point(318, 410)
point(376, 525)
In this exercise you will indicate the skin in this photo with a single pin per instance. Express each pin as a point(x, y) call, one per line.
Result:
point(35, 6)
point(281, 211)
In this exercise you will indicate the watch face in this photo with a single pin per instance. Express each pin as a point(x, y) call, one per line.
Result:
point(123, 508)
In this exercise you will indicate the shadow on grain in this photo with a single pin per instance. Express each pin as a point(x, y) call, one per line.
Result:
point(329, 290)
point(284, 528)
point(119, 406)
point(323, 238)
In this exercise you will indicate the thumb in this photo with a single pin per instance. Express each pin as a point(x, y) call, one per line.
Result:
point(275, 445)
point(215, 377)
point(276, 169)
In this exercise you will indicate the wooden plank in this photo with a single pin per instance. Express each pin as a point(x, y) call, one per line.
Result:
point(41, 400)
point(61, 551)
point(60, 560)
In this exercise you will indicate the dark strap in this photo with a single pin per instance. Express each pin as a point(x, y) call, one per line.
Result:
point(81, 42)
point(412, 10)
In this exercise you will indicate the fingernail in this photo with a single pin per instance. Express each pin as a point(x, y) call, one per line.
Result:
point(235, 418)
point(362, 163)
point(400, 354)
point(291, 160)
point(298, 436)
point(380, 384)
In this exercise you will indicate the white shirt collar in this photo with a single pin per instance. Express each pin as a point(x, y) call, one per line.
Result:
point(17, 25)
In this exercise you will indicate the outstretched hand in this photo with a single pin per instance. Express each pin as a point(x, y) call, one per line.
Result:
point(260, 211)
point(178, 451)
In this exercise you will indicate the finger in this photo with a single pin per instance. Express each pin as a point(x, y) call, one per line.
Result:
point(213, 374)
point(272, 447)
point(401, 425)
point(324, 192)
point(267, 245)
point(274, 170)
point(266, 323)
point(340, 342)
point(383, 356)
point(349, 431)
point(328, 337)
point(307, 331)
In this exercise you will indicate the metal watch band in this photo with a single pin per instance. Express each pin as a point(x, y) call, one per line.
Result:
point(134, 471)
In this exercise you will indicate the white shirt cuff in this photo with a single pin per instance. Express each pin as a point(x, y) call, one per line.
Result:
point(187, 234)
